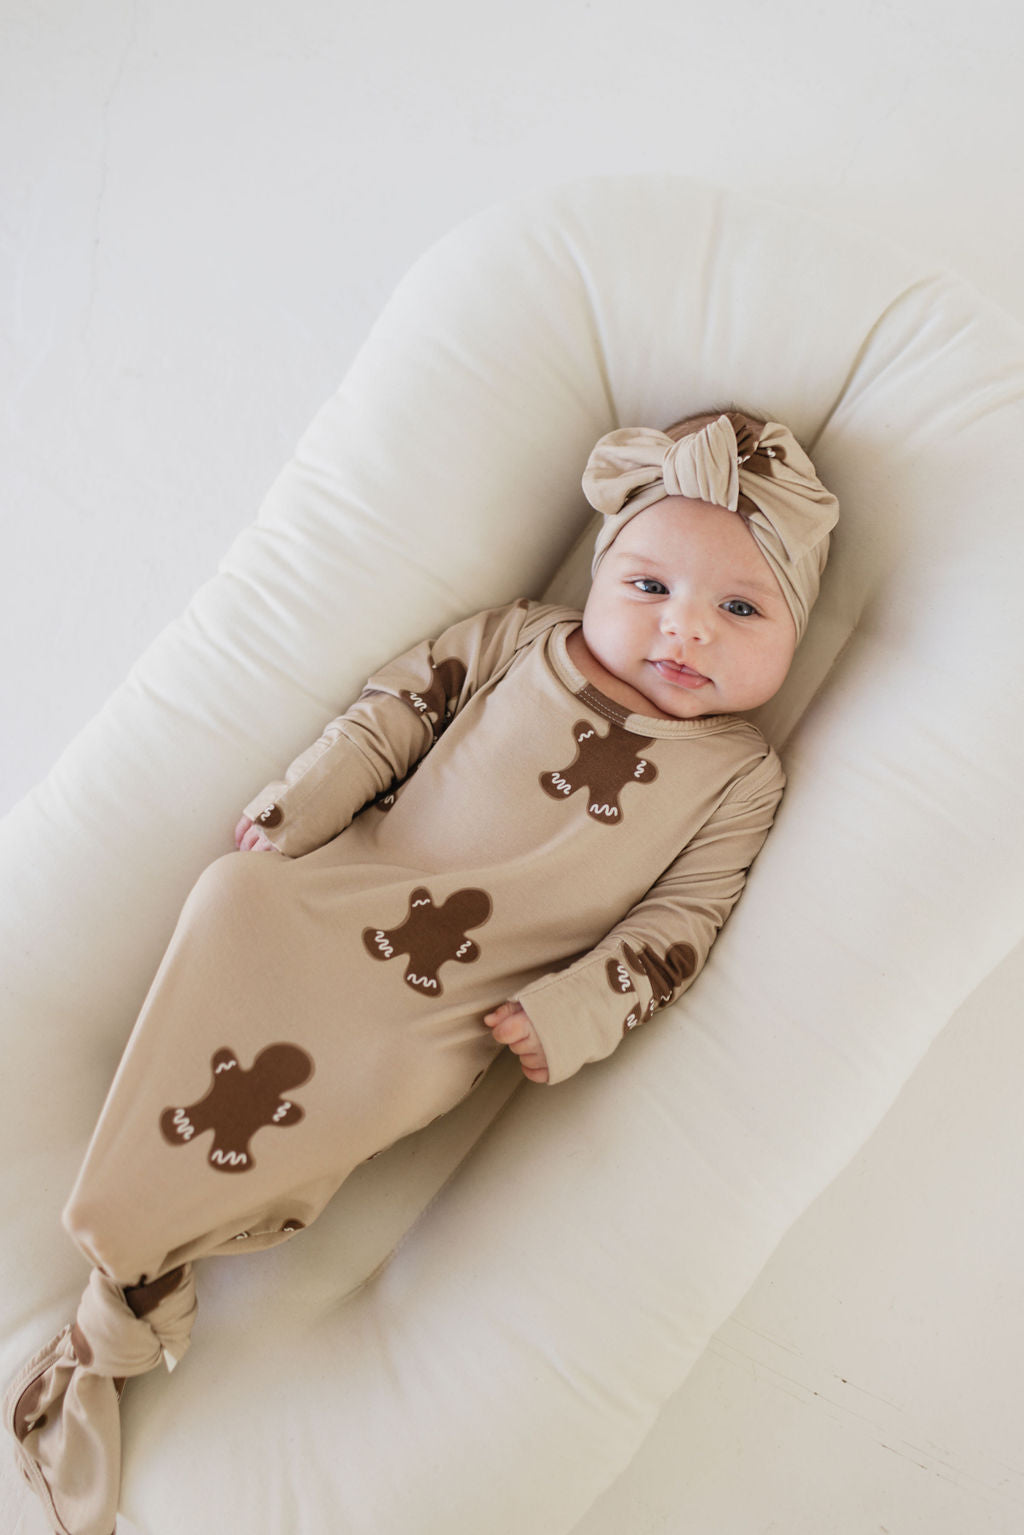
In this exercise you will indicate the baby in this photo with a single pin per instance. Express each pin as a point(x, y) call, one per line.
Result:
point(526, 833)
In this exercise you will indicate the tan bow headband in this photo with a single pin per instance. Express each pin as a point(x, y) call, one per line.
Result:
point(758, 469)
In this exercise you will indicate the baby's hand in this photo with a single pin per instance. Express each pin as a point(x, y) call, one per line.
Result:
point(510, 1026)
point(249, 838)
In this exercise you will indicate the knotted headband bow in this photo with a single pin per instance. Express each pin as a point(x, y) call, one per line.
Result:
point(758, 469)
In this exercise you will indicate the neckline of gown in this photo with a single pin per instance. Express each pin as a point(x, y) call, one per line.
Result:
point(638, 724)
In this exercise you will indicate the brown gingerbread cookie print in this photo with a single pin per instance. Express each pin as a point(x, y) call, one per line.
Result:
point(437, 701)
point(665, 973)
point(603, 765)
point(435, 705)
point(431, 935)
point(239, 1103)
point(621, 982)
point(386, 799)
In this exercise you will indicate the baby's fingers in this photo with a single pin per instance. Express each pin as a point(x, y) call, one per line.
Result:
point(511, 1032)
point(502, 1011)
point(534, 1060)
point(254, 841)
point(508, 1024)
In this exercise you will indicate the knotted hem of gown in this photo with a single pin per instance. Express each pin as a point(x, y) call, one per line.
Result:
point(62, 1408)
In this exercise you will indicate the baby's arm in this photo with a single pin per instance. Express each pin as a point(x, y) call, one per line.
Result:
point(511, 1026)
point(404, 708)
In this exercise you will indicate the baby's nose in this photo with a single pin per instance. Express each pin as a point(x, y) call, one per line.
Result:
point(686, 621)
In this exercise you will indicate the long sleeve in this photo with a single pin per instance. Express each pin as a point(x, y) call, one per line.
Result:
point(403, 709)
point(653, 954)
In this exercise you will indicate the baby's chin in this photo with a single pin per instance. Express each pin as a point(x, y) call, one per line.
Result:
point(695, 706)
point(683, 709)
point(674, 701)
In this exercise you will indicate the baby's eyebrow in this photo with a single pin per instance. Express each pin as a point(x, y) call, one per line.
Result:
point(762, 588)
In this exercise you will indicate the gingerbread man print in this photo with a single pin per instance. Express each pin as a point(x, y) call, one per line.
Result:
point(239, 1103)
point(431, 935)
point(621, 982)
point(435, 703)
point(665, 974)
point(603, 765)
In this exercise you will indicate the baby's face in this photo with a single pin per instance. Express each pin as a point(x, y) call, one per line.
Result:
point(686, 612)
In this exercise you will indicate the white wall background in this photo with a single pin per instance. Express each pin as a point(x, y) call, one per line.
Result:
point(203, 206)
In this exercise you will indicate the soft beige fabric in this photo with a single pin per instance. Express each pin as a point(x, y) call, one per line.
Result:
point(61, 1409)
point(477, 820)
point(734, 462)
point(495, 800)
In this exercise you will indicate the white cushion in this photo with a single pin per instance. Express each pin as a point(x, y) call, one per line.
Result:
point(500, 1370)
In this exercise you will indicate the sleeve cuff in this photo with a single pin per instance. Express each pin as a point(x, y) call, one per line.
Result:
point(576, 1016)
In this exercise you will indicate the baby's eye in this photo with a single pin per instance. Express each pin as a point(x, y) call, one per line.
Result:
point(739, 607)
point(647, 585)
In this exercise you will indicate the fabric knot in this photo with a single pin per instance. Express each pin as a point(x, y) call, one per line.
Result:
point(62, 1406)
point(124, 1333)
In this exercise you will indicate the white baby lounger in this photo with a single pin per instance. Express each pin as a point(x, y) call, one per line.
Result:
point(493, 1366)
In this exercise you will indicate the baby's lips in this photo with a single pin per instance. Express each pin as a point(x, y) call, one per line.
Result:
point(680, 667)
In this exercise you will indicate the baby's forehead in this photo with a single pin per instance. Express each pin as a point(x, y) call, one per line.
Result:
point(668, 531)
point(668, 522)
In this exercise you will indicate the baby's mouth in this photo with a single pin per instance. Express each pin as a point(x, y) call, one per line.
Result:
point(679, 676)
